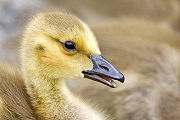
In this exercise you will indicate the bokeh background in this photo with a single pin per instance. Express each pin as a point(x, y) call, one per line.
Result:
point(140, 37)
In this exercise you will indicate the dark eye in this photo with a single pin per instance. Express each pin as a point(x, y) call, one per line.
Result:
point(69, 45)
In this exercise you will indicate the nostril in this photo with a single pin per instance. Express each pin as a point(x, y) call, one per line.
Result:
point(104, 67)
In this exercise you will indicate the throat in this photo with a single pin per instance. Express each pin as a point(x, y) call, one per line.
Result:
point(48, 98)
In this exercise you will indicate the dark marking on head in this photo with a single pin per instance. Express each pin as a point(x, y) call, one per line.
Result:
point(41, 48)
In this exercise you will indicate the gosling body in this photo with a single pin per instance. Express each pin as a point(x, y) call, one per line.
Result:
point(14, 101)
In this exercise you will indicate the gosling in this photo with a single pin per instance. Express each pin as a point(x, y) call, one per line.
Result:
point(57, 46)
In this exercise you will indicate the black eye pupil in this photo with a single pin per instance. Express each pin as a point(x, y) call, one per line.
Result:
point(69, 45)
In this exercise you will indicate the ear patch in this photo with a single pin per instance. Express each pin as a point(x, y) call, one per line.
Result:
point(41, 48)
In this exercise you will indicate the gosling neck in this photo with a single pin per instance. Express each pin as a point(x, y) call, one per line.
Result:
point(45, 86)
point(47, 95)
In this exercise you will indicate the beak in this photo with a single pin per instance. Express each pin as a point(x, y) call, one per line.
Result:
point(103, 71)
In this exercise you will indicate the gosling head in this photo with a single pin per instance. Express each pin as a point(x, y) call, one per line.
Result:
point(58, 46)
